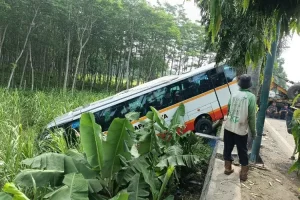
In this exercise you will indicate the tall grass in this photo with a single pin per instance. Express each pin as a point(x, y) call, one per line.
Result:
point(23, 115)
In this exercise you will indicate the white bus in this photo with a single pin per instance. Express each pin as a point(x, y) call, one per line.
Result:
point(204, 92)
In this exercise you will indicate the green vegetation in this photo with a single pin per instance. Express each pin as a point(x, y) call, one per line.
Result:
point(95, 45)
point(296, 133)
point(143, 165)
point(279, 74)
point(23, 114)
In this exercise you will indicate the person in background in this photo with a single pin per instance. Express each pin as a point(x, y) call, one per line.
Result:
point(283, 112)
point(272, 110)
point(241, 117)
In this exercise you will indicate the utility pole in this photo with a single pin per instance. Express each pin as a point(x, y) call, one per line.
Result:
point(264, 96)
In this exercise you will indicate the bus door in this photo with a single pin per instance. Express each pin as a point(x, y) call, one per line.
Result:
point(222, 92)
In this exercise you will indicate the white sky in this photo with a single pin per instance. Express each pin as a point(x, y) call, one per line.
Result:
point(291, 55)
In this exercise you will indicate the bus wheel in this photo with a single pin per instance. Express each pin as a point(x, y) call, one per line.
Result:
point(204, 125)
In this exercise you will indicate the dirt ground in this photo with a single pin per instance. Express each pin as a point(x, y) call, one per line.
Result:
point(274, 183)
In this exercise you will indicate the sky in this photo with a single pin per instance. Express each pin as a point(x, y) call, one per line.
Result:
point(290, 55)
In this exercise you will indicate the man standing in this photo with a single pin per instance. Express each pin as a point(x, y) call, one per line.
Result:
point(241, 117)
point(272, 110)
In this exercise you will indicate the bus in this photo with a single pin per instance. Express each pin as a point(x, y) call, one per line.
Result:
point(205, 93)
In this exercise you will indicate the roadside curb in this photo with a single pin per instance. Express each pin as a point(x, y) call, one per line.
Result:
point(217, 185)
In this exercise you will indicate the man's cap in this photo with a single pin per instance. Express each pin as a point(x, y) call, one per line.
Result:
point(245, 81)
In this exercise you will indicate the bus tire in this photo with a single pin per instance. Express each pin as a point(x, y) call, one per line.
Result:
point(293, 91)
point(204, 125)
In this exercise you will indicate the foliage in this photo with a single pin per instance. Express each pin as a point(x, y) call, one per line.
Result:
point(111, 165)
point(23, 114)
point(89, 45)
point(279, 74)
point(296, 134)
point(11, 189)
point(250, 37)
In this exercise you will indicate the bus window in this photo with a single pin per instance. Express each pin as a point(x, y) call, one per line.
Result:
point(219, 78)
point(230, 73)
point(196, 85)
point(176, 93)
point(135, 105)
point(106, 116)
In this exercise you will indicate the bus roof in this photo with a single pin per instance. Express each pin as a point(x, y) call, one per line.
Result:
point(151, 85)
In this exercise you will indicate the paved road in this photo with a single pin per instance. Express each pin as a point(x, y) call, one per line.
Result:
point(278, 131)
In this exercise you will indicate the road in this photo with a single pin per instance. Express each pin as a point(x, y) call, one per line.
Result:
point(275, 182)
point(278, 131)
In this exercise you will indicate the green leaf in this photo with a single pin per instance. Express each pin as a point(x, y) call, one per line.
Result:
point(139, 165)
point(48, 161)
point(94, 185)
point(76, 188)
point(10, 188)
point(121, 196)
point(295, 167)
point(137, 188)
point(145, 143)
point(91, 140)
point(132, 116)
point(245, 5)
point(118, 142)
point(73, 162)
point(178, 115)
point(41, 177)
point(295, 101)
point(171, 197)
point(179, 160)
point(158, 119)
point(4, 196)
point(166, 180)
point(174, 150)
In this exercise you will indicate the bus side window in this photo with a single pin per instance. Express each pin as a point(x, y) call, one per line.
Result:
point(135, 105)
point(196, 85)
point(104, 118)
point(229, 72)
point(218, 77)
point(98, 117)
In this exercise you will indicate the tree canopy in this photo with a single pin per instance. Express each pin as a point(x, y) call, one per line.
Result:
point(94, 44)
point(248, 28)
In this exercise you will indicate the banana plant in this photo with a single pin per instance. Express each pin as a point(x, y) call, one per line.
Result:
point(296, 135)
point(124, 164)
point(11, 192)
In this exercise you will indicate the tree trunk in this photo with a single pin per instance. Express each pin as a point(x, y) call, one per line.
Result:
point(22, 77)
point(82, 45)
point(22, 51)
point(31, 66)
point(93, 81)
point(50, 73)
point(109, 69)
point(44, 67)
point(76, 70)
point(255, 76)
point(128, 60)
point(2, 38)
point(67, 63)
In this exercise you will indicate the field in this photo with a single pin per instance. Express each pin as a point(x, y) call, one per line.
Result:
point(24, 114)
